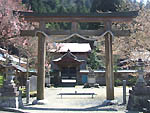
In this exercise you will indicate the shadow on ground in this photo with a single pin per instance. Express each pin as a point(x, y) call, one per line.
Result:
point(94, 108)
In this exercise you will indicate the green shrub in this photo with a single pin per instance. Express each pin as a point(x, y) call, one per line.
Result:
point(32, 94)
point(118, 82)
point(132, 81)
point(1, 80)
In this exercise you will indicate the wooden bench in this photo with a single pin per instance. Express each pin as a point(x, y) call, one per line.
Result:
point(61, 94)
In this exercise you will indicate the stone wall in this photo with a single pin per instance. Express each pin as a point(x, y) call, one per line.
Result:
point(100, 77)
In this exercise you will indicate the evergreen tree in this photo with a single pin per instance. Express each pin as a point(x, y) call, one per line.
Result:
point(75, 6)
point(93, 61)
point(106, 5)
point(38, 6)
point(34, 5)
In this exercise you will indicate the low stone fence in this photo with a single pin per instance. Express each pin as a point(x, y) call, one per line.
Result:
point(120, 75)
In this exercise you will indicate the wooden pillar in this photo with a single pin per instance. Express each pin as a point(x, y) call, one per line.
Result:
point(41, 66)
point(74, 27)
point(109, 64)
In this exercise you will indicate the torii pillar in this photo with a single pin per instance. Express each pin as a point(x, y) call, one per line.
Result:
point(41, 65)
point(109, 75)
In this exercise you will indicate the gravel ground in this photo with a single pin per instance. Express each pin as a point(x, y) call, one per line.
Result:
point(78, 104)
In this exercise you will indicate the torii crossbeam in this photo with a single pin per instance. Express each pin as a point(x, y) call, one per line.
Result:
point(106, 18)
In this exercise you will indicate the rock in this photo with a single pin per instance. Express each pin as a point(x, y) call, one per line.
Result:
point(110, 102)
point(39, 102)
point(86, 85)
point(96, 85)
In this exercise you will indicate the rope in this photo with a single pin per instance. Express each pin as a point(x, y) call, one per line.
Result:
point(75, 34)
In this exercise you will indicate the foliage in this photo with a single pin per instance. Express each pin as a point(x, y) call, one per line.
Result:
point(80, 6)
point(142, 30)
point(1, 80)
point(60, 6)
point(23, 90)
point(106, 5)
point(93, 60)
point(27, 47)
point(115, 62)
point(10, 24)
point(118, 82)
point(132, 81)
point(139, 40)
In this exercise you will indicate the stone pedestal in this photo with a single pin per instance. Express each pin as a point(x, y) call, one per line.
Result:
point(140, 93)
point(91, 80)
point(138, 98)
point(9, 96)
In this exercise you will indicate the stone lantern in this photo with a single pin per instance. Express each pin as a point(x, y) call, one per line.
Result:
point(10, 73)
point(140, 81)
point(91, 77)
point(140, 93)
point(8, 93)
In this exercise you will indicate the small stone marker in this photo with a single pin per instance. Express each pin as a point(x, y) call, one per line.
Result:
point(124, 91)
point(27, 91)
point(33, 83)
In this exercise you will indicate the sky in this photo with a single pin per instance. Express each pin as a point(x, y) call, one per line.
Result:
point(143, 0)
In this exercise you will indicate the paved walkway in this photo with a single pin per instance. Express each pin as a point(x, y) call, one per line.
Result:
point(78, 104)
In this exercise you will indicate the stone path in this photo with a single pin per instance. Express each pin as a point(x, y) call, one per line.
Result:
point(77, 104)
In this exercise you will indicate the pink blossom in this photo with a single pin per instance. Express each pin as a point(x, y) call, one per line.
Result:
point(10, 24)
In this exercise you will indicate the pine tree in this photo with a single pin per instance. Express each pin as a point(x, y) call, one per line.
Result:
point(93, 61)
point(34, 5)
point(106, 5)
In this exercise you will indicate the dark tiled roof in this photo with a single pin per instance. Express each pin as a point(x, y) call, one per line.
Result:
point(68, 55)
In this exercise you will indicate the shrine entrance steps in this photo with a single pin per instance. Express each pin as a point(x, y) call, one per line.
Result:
point(68, 83)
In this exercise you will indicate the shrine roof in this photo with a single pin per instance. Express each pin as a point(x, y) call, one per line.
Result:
point(68, 55)
point(68, 59)
point(20, 68)
point(73, 47)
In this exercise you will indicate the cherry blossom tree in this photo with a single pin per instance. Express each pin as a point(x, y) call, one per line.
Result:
point(10, 23)
point(10, 26)
point(137, 42)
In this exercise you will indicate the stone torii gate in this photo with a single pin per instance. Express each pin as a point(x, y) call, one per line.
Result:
point(106, 18)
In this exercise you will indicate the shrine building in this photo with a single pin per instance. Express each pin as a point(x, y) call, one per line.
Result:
point(69, 57)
